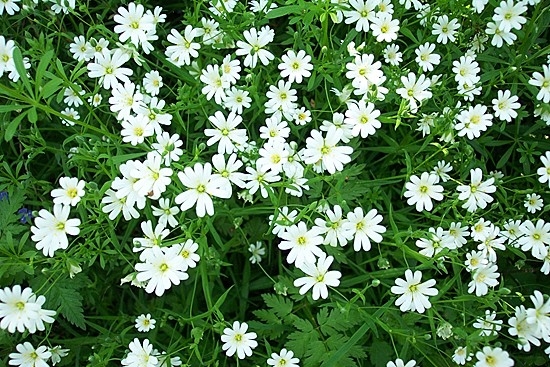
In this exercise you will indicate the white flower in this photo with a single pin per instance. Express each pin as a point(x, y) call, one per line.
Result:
point(421, 191)
point(475, 260)
point(526, 333)
point(489, 325)
point(542, 81)
point(80, 49)
point(324, 150)
point(237, 340)
point(135, 129)
point(476, 193)
point(445, 30)
point(363, 118)
point(536, 237)
point(281, 99)
point(544, 171)
point(183, 47)
point(499, 35)
point(302, 243)
point(133, 24)
point(384, 27)
point(364, 71)
point(482, 278)
point(108, 68)
point(144, 323)
point(216, 84)
point(22, 310)
point(202, 186)
point(458, 234)
point(228, 170)
point(275, 129)
point(236, 100)
point(259, 178)
point(508, 15)
point(461, 355)
point(493, 357)
point(50, 230)
point(72, 97)
point(413, 293)
point(362, 11)
point(125, 99)
point(254, 47)
point(295, 66)
point(392, 55)
point(166, 213)
point(71, 115)
point(283, 220)
point(152, 82)
point(28, 356)
point(188, 251)
point(57, 353)
point(140, 355)
point(337, 229)
point(415, 90)
point(257, 250)
point(400, 363)
point(473, 121)
point(70, 193)
point(466, 70)
point(505, 106)
point(226, 134)
point(162, 268)
point(426, 58)
point(539, 316)
point(319, 277)
point(441, 170)
point(533, 203)
point(365, 228)
point(168, 147)
point(284, 359)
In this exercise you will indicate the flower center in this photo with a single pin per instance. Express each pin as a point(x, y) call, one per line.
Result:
point(384, 29)
point(33, 355)
point(60, 226)
point(239, 99)
point(490, 360)
point(364, 119)
point(20, 305)
point(536, 236)
point(163, 267)
point(146, 322)
point(325, 150)
point(138, 131)
point(320, 278)
point(238, 337)
point(473, 188)
point(423, 189)
point(134, 25)
point(201, 188)
point(413, 288)
point(301, 241)
point(72, 193)
point(225, 132)
point(275, 158)
point(283, 96)
point(108, 70)
point(185, 254)
point(295, 65)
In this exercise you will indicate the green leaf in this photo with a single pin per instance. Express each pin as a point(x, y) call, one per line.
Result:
point(281, 306)
point(20, 68)
point(70, 302)
point(41, 68)
point(12, 126)
point(284, 10)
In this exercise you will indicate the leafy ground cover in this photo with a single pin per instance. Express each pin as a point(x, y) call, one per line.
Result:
point(283, 183)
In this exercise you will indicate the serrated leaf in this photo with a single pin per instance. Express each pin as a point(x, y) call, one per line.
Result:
point(280, 305)
point(70, 302)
